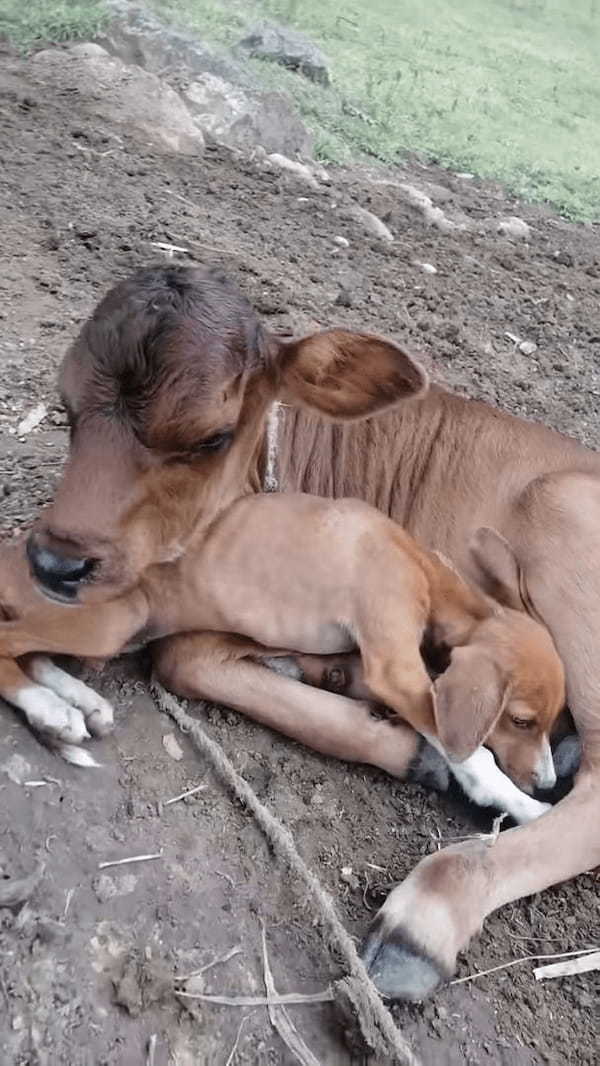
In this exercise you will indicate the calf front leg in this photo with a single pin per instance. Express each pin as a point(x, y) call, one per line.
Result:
point(431, 916)
point(229, 670)
point(425, 921)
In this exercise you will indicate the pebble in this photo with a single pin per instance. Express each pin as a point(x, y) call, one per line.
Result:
point(107, 887)
point(514, 227)
point(527, 347)
point(344, 298)
point(342, 241)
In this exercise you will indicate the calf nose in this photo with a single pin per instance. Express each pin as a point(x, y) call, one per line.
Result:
point(58, 575)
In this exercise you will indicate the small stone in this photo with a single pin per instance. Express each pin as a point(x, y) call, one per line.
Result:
point(342, 241)
point(344, 298)
point(300, 170)
point(527, 347)
point(428, 268)
point(372, 224)
point(104, 888)
point(348, 876)
point(17, 768)
point(514, 227)
point(172, 747)
point(107, 887)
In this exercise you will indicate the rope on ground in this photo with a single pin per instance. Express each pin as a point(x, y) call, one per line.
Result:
point(376, 1023)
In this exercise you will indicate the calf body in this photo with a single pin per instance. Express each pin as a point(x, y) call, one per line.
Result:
point(173, 361)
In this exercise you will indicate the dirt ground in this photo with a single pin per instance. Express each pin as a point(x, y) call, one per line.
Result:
point(87, 965)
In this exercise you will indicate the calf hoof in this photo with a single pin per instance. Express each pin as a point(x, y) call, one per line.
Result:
point(398, 969)
point(567, 756)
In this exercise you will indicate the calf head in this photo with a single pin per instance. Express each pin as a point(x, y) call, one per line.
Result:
point(506, 686)
point(167, 390)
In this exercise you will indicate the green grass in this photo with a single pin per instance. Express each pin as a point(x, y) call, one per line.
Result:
point(507, 89)
point(28, 23)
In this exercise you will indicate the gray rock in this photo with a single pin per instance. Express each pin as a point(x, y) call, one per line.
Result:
point(290, 49)
point(370, 223)
point(292, 166)
point(127, 95)
point(243, 118)
point(136, 35)
point(514, 227)
point(107, 887)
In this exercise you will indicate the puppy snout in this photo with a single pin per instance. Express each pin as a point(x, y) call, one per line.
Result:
point(59, 574)
point(545, 771)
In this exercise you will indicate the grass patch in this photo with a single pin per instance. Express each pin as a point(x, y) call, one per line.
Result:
point(507, 89)
point(28, 24)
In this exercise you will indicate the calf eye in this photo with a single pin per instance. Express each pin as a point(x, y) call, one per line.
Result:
point(523, 723)
point(215, 443)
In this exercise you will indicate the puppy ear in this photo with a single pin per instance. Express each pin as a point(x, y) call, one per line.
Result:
point(468, 700)
point(498, 563)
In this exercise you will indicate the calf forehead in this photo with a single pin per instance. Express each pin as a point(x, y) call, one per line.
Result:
point(183, 325)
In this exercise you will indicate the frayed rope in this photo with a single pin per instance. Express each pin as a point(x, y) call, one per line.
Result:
point(377, 1027)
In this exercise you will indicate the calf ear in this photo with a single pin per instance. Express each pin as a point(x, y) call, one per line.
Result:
point(468, 700)
point(498, 563)
point(347, 375)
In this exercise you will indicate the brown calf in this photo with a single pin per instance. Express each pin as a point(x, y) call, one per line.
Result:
point(302, 573)
point(168, 388)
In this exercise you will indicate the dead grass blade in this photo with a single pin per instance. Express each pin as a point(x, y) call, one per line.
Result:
point(231, 1055)
point(280, 1019)
point(524, 958)
point(583, 964)
point(285, 999)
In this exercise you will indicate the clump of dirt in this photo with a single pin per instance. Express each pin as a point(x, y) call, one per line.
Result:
point(81, 207)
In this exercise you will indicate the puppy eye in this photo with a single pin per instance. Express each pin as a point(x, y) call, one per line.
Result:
point(522, 723)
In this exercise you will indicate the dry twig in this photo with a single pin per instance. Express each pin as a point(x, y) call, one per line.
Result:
point(583, 964)
point(132, 858)
point(184, 795)
point(516, 962)
point(209, 965)
point(289, 999)
point(280, 1019)
point(231, 1055)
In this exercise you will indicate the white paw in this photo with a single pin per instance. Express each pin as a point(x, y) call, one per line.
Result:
point(97, 712)
point(528, 809)
point(52, 716)
point(76, 756)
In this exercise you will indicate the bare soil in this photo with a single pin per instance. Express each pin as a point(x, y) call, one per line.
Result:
point(87, 964)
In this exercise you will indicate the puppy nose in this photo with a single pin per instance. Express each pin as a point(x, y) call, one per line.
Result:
point(57, 574)
point(546, 780)
point(545, 776)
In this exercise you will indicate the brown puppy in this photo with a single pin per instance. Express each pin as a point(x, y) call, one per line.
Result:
point(318, 577)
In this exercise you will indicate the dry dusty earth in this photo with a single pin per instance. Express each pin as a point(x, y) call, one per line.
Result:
point(87, 964)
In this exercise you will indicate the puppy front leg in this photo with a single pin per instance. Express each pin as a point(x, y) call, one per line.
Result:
point(488, 786)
